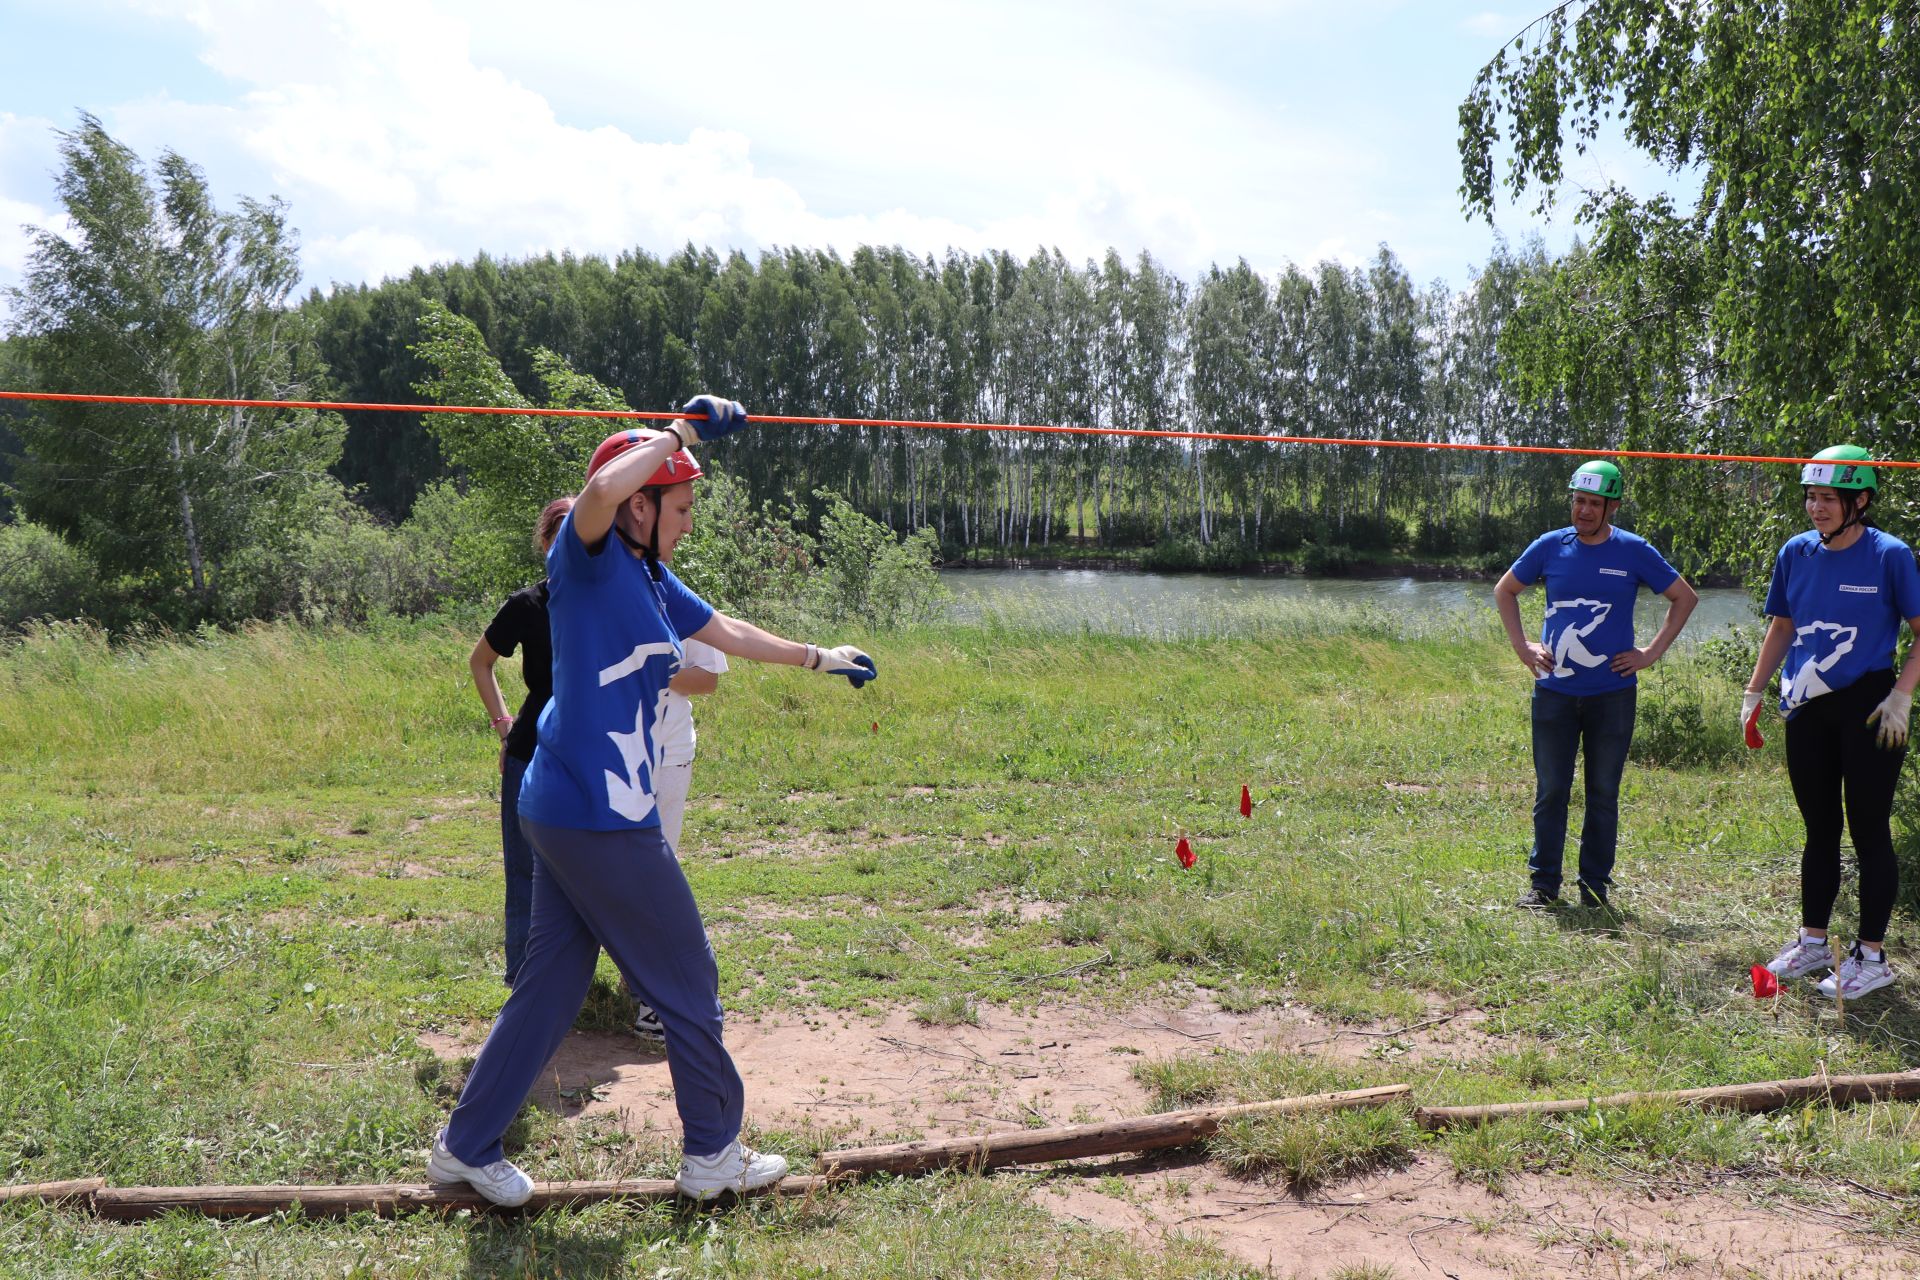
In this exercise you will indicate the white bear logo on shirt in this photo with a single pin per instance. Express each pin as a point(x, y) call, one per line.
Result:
point(1813, 637)
point(632, 796)
point(1570, 643)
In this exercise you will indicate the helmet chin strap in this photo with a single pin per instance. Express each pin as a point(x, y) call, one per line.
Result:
point(650, 551)
point(1854, 510)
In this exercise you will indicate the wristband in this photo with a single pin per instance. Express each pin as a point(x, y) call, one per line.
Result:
point(811, 659)
point(497, 721)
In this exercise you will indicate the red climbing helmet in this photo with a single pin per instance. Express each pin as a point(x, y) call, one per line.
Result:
point(678, 467)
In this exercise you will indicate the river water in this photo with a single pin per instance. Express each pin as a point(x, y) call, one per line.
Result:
point(1171, 605)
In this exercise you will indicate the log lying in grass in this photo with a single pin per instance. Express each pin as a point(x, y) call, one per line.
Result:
point(1071, 1142)
point(131, 1203)
point(1765, 1095)
point(1148, 1133)
point(80, 1190)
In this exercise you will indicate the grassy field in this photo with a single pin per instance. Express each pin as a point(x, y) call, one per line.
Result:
point(244, 872)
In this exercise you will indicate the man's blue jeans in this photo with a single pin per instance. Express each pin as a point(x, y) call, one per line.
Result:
point(1562, 725)
point(517, 855)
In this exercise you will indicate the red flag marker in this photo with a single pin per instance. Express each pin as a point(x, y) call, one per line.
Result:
point(1184, 852)
point(1765, 984)
point(1246, 801)
point(1754, 739)
point(876, 726)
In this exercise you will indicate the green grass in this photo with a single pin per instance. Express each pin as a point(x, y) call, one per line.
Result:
point(243, 872)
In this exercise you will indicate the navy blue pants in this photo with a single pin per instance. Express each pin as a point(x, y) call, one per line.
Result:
point(1565, 724)
point(622, 890)
point(517, 858)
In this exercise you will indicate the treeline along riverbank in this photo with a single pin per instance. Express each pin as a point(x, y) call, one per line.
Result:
point(182, 516)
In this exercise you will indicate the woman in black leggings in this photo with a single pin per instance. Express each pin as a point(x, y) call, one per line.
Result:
point(1838, 596)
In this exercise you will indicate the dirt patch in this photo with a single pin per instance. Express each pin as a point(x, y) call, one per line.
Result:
point(443, 807)
point(1026, 910)
point(892, 1077)
point(865, 1079)
point(389, 869)
point(1421, 1221)
point(808, 845)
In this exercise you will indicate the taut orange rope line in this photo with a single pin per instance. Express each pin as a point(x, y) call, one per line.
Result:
point(210, 402)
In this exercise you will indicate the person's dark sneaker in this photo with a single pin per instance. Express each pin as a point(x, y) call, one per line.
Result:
point(1591, 897)
point(1537, 899)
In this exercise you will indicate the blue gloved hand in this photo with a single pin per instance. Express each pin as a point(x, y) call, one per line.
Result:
point(711, 417)
point(846, 661)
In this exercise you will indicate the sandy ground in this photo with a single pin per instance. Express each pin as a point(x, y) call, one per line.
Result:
point(874, 1079)
point(1421, 1221)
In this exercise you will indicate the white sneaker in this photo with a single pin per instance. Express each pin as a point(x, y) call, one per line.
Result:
point(1801, 957)
point(1857, 975)
point(501, 1182)
point(738, 1168)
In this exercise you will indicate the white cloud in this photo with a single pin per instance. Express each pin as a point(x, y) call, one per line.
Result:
point(390, 139)
point(404, 132)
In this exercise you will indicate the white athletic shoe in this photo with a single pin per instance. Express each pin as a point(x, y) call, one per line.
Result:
point(1857, 975)
point(501, 1182)
point(738, 1168)
point(1801, 957)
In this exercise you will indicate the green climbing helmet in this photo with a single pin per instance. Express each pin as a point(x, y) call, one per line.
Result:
point(1599, 478)
point(1839, 467)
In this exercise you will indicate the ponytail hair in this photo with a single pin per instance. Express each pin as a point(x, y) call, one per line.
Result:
point(547, 527)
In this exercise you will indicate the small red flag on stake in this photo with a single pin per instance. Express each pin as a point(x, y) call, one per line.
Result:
point(876, 726)
point(1764, 982)
point(1246, 801)
point(1184, 852)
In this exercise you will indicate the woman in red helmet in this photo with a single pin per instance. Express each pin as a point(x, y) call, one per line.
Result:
point(604, 876)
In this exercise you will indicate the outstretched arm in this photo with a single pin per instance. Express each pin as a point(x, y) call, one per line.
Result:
point(744, 640)
point(739, 639)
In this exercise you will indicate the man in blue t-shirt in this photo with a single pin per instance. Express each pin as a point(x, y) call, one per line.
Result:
point(1584, 667)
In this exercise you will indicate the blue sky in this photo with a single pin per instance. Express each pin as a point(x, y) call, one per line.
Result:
point(404, 132)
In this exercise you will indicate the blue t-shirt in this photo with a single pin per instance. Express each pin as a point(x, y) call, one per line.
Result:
point(1590, 596)
point(616, 643)
point(1846, 608)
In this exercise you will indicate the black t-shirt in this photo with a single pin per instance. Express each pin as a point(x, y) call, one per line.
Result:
point(522, 623)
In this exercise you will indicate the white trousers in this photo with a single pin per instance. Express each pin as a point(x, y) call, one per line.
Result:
point(670, 798)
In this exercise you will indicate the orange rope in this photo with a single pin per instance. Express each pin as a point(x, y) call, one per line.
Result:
point(918, 425)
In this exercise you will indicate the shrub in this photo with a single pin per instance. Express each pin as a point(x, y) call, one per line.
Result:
point(339, 565)
point(753, 564)
point(1283, 529)
point(1173, 555)
point(1436, 537)
point(1327, 559)
point(1370, 533)
point(43, 576)
point(868, 576)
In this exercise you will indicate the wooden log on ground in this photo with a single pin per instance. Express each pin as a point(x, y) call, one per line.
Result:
point(1764, 1095)
point(131, 1203)
point(1070, 1142)
point(79, 1189)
